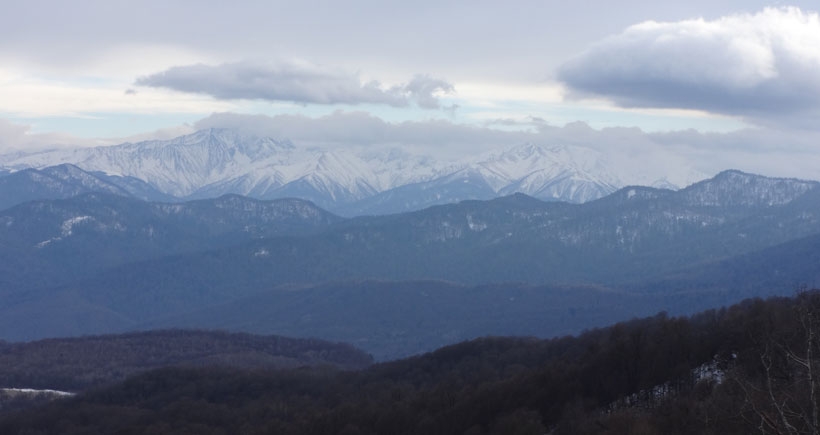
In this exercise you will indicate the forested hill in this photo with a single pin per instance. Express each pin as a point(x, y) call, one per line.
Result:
point(740, 370)
point(74, 364)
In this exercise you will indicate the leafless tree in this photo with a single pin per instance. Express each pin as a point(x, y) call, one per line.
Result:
point(782, 398)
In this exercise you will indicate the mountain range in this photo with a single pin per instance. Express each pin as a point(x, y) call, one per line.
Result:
point(214, 162)
point(101, 262)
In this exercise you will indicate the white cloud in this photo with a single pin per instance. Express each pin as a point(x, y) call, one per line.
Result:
point(760, 66)
point(425, 90)
point(491, 94)
point(298, 82)
point(19, 137)
point(357, 129)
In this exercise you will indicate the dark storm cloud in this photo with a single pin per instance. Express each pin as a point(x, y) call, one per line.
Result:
point(298, 83)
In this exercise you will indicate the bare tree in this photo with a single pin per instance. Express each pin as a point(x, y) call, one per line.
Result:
point(782, 398)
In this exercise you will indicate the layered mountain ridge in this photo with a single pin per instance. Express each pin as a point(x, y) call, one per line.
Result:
point(101, 262)
point(214, 162)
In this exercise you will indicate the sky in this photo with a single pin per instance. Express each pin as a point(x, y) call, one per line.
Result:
point(726, 84)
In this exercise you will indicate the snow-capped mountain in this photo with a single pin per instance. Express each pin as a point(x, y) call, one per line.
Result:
point(560, 173)
point(179, 166)
point(213, 162)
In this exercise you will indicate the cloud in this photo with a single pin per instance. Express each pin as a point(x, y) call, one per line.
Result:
point(19, 137)
point(527, 122)
point(16, 137)
point(356, 129)
point(297, 82)
point(424, 90)
point(762, 66)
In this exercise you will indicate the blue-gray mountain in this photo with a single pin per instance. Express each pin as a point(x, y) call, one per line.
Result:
point(101, 263)
point(51, 242)
point(66, 181)
point(214, 162)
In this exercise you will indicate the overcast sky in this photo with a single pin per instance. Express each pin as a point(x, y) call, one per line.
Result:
point(725, 83)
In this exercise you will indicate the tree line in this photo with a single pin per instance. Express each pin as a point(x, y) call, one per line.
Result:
point(748, 368)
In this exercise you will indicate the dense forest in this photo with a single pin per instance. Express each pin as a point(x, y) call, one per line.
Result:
point(749, 368)
point(80, 363)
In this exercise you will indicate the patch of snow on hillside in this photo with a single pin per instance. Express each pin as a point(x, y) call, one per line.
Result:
point(261, 252)
point(32, 391)
point(68, 225)
point(475, 225)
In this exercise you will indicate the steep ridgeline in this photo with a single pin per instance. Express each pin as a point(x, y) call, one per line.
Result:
point(46, 243)
point(569, 174)
point(100, 263)
point(214, 162)
point(65, 181)
point(631, 236)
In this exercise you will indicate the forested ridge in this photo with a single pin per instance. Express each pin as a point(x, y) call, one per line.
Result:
point(749, 368)
point(79, 363)
point(101, 263)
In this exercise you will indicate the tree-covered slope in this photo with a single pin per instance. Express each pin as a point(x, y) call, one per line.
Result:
point(661, 374)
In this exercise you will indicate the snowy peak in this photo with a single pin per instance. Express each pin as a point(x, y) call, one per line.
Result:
point(563, 173)
point(210, 163)
point(179, 166)
point(185, 164)
point(333, 168)
point(220, 143)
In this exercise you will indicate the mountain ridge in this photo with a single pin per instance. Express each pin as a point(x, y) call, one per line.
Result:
point(209, 163)
point(101, 262)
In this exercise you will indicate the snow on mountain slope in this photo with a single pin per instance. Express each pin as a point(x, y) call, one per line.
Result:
point(179, 166)
point(536, 164)
point(217, 161)
point(741, 189)
point(572, 174)
point(214, 162)
point(394, 167)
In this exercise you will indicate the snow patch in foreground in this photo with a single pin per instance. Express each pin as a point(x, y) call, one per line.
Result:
point(32, 391)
